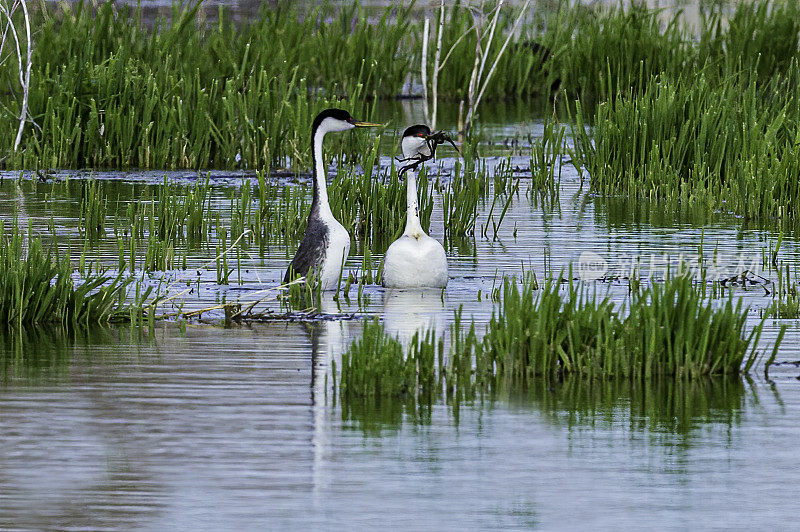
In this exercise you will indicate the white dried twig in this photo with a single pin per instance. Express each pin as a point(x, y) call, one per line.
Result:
point(473, 78)
point(26, 83)
point(24, 68)
point(425, 31)
point(474, 105)
point(437, 55)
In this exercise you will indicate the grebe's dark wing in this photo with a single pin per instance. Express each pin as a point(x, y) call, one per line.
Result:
point(311, 251)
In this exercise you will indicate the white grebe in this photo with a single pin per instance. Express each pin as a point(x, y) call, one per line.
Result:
point(415, 260)
point(326, 242)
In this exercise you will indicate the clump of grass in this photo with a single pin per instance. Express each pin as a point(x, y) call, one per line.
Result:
point(462, 196)
point(303, 296)
point(616, 50)
point(759, 40)
point(543, 335)
point(37, 286)
point(593, 52)
point(546, 156)
point(94, 205)
point(684, 142)
point(670, 330)
point(673, 330)
point(785, 297)
point(108, 91)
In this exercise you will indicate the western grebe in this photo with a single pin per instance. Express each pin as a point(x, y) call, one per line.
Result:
point(415, 260)
point(326, 242)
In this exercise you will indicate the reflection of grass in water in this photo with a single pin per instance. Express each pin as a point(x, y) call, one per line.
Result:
point(665, 405)
point(376, 367)
point(31, 355)
point(373, 416)
point(624, 211)
point(380, 385)
point(671, 332)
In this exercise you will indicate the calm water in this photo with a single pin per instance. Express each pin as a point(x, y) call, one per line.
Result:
point(216, 428)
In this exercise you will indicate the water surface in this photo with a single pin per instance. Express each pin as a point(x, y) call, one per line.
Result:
point(211, 427)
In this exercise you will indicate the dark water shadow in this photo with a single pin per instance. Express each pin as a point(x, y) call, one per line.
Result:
point(43, 354)
point(626, 212)
point(659, 406)
point(670, 411)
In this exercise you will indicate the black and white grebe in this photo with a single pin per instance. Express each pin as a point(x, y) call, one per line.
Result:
point(326, 242)
point(415, 260)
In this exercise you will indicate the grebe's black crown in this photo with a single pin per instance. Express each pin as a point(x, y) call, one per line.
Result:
point(417, 130)
point(338, 114)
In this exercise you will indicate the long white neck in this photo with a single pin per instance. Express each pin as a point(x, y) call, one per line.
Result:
point(320, 176)
point(413, 227)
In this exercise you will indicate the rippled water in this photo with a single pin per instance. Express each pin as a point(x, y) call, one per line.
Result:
point(214, 428)
point(172, 431)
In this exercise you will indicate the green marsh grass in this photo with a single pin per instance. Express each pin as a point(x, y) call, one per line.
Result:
point(759, 39)
point(461, 197)
point(108, 91)
point(37, 286)
point(545, 333)
point(686, 142)
point(94, 205)
point(546, 157)
point(667, 329)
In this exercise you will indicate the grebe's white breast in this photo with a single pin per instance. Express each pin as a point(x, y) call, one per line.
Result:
point(415, 262)
point(337, 249)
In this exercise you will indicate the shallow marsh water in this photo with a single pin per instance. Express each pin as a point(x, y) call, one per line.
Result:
point(214, 428)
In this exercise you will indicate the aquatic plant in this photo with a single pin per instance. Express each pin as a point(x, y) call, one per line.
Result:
point(109, 91)
point(37, 286)
point(546, 162)
point(682, 141)
point(93, 210)
point(668, 330)
point(759, 39)
point(376, 366)
point(460, 200)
